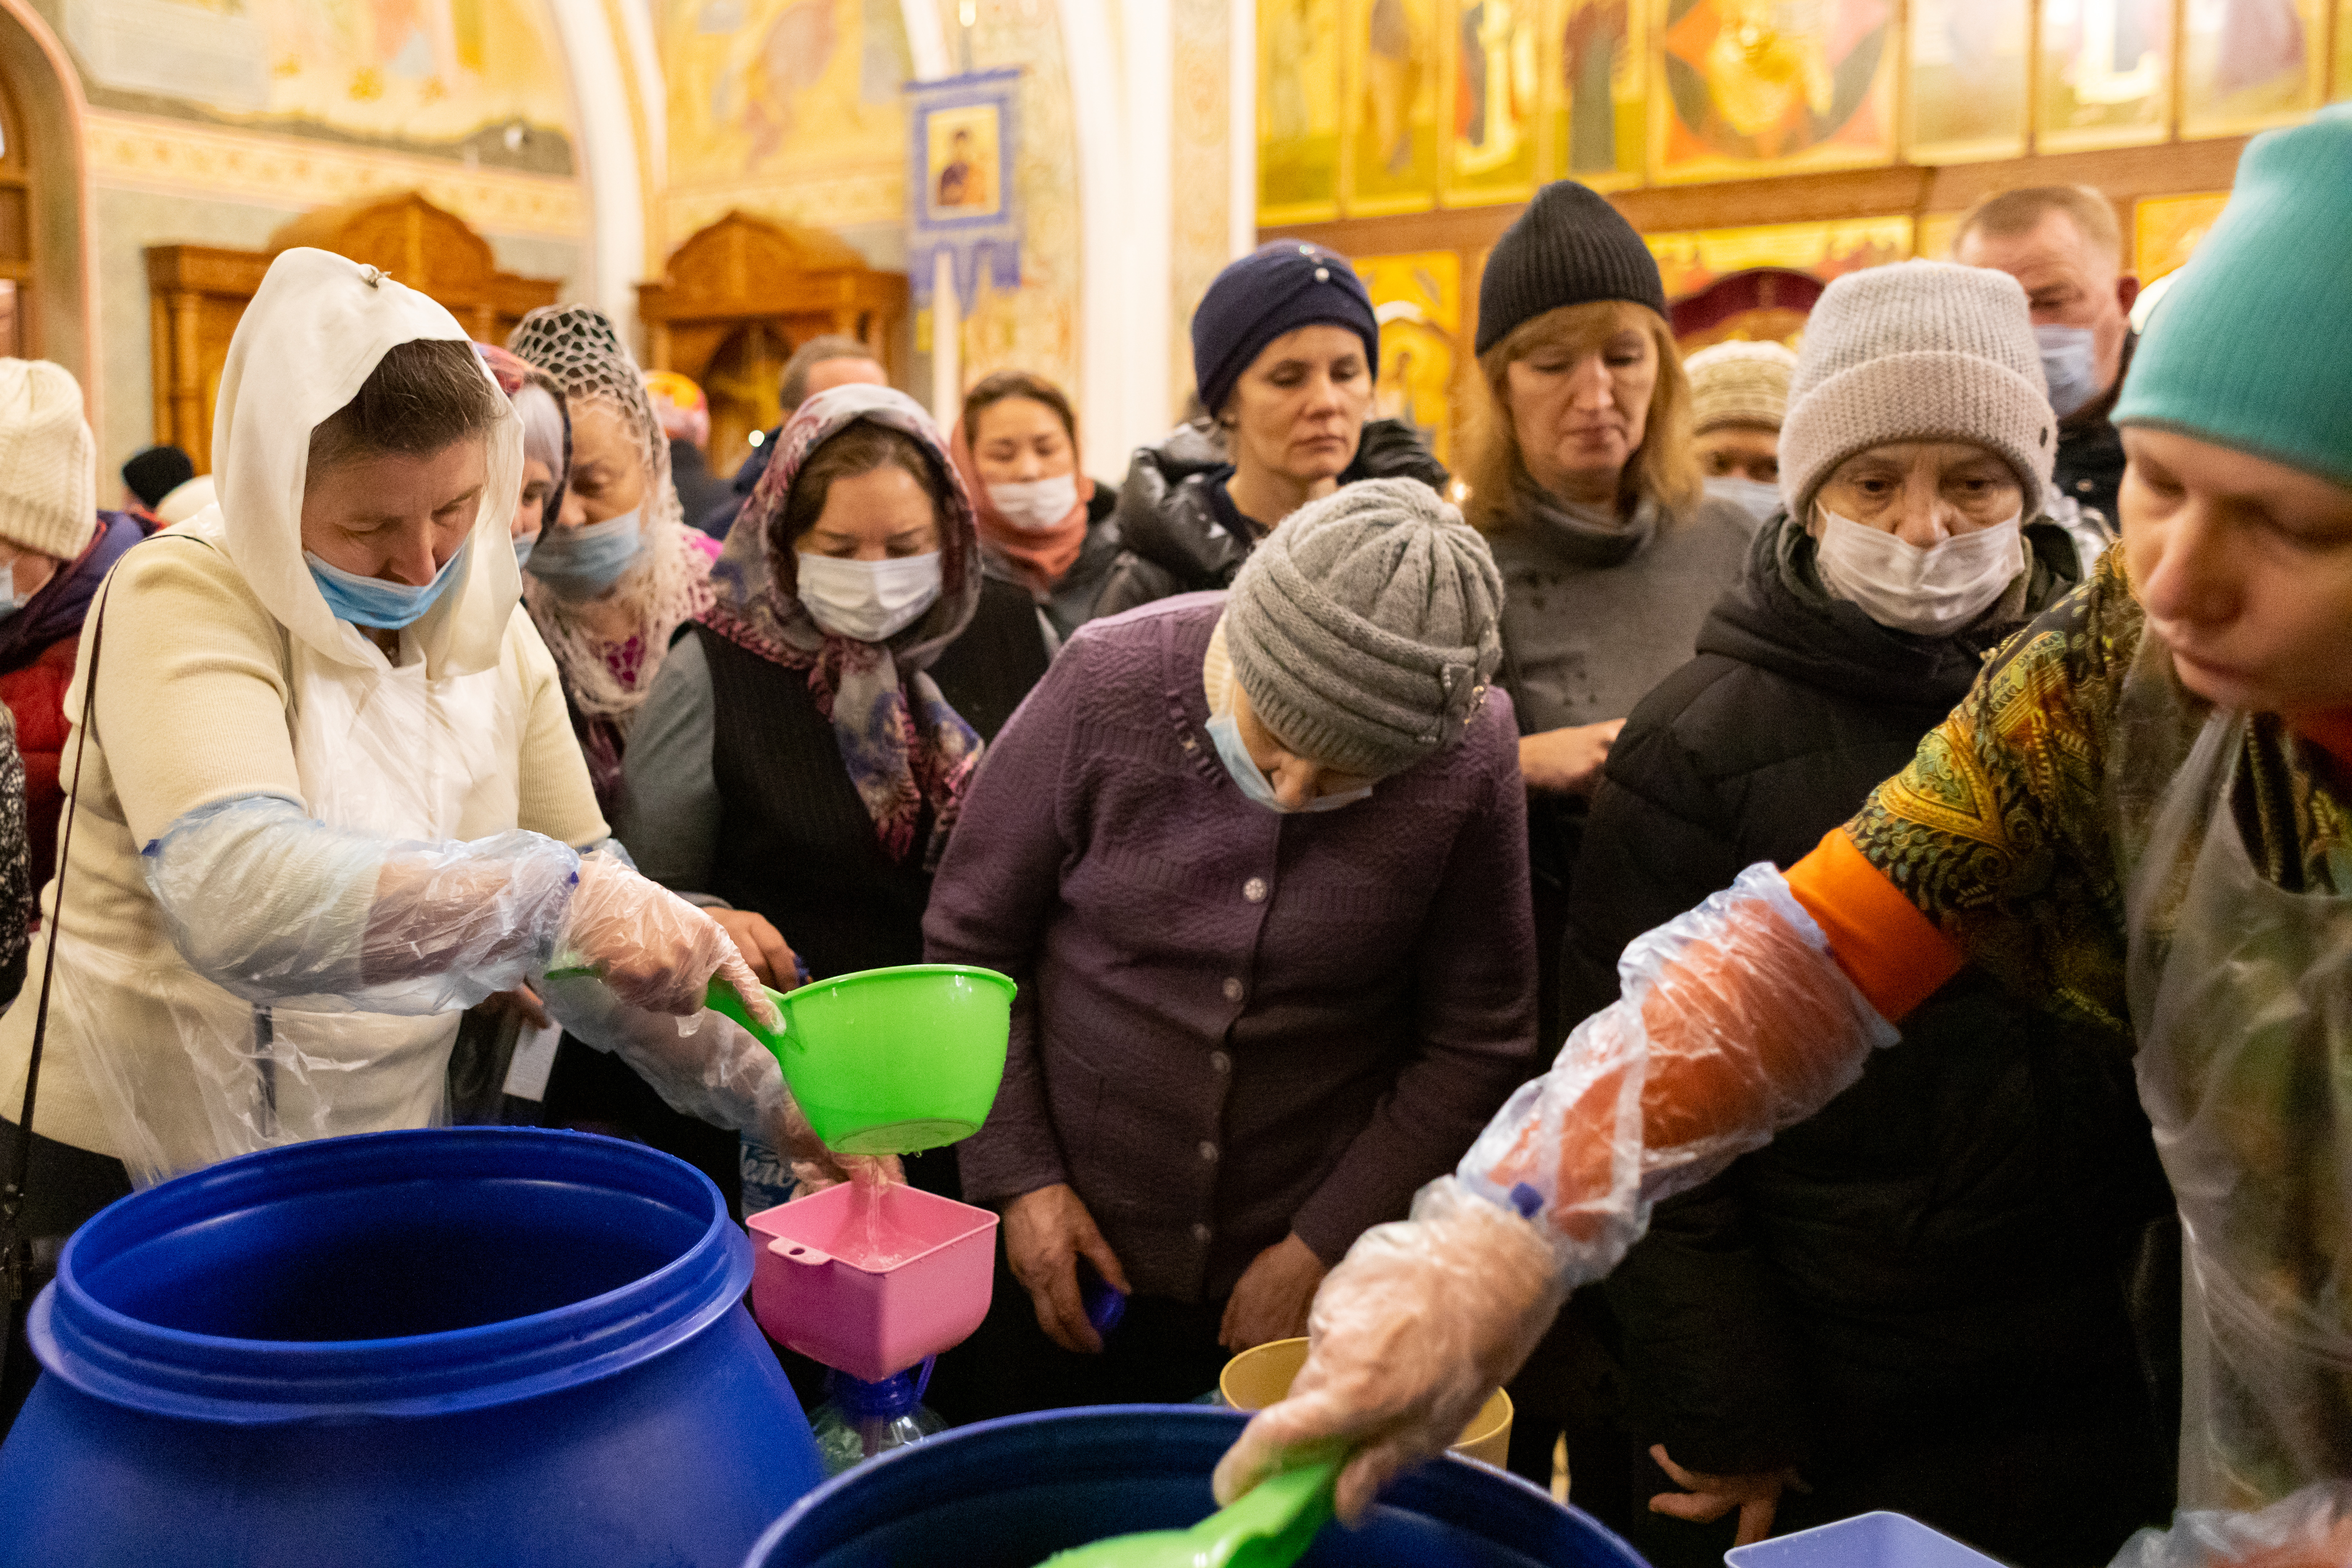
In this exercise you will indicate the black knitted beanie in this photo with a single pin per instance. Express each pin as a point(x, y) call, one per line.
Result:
point(1569, 247)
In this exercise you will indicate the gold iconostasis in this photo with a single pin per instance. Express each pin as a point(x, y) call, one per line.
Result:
point(1373, 107)
point(1401, 132)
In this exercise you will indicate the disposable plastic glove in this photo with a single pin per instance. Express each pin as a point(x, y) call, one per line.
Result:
point(651, 947)
point(1420, 1322)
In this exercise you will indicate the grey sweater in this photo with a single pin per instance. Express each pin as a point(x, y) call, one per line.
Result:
point(1596, 611)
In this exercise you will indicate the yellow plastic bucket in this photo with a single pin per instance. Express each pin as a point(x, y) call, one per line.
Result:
point(1259, 1377)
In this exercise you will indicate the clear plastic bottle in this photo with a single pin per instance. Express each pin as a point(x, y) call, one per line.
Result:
point(860, 1419)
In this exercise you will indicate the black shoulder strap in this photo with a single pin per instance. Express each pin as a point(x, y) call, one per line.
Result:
point(15, 1260)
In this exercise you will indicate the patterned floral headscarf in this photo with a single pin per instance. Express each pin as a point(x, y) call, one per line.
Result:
point(903, 746)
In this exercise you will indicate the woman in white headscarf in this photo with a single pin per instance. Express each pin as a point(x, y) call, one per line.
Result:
point(329, 796)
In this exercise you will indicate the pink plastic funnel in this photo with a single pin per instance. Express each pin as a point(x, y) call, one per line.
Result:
point(872, 1291)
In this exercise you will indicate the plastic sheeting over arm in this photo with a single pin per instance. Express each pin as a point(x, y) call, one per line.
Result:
point(1735, 1022)
point(2308, 1529)
point(283, 911)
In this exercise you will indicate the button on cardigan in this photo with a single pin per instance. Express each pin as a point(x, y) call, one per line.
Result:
point(1233, 1023)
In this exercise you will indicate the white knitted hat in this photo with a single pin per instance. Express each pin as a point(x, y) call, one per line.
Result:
point(48, 463)
point(1920, 350)
point(1739, 384)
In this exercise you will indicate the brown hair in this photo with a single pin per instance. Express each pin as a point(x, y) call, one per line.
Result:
point(2012, 213)
point(423, 395)
point(792, 388)
point(856, 449)
point(1663, 467)
point(996, 387)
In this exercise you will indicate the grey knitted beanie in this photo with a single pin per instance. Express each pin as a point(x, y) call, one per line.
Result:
point(1920, 350)
point(1365, 628)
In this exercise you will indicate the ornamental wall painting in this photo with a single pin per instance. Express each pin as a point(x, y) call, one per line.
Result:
point(2107, 74)
point(1418, 299)
point(1971, 61)
point(1492, 60)
point(1690, 259)
point(2248, 64)
point(1747, 88)
point(1600, 118)
point(2166, 229)
point(2340, 81)
point(1299, 110)
point(1388, 143)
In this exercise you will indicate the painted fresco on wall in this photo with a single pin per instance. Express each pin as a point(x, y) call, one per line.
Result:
point(1599, 120)
point(2246, 63)
point(1418, 299)
point(481, 80)
point(1495, 72)
point(2107, 73)
point(1758, 86)
point(1388, 149)
point(1299, 110)
point(1967, 85)
point(1690, 261)
point(2166, 229)
point(767, 87)
point(2340, 84)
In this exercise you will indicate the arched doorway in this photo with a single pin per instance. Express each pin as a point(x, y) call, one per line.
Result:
point(45, 274)
point(17, 226)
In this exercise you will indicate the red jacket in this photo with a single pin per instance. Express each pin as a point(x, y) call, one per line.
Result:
point(35, 694)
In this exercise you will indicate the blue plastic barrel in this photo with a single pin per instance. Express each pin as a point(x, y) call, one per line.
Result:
point(1010, 1493)
point(459, 1345)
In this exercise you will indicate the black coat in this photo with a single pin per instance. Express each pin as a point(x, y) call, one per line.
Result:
point(1920, 1285)
point(1180, 533)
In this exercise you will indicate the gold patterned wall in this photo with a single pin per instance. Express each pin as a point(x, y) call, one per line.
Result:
point(1371, 107)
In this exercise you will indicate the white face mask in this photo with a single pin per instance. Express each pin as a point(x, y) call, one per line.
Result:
point(1754, 497)
point(868, 600)
point(1038, 505)
point(1930, 592)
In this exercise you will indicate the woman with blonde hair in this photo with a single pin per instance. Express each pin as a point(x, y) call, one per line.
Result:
point(1583, 477)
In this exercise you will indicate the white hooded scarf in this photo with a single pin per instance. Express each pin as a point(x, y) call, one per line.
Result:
point(313, 334)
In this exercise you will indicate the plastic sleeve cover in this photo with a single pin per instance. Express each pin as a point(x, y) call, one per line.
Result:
point(282, 910)
point(2307, 1529)
point(716, 1073)
point(1734, 1022)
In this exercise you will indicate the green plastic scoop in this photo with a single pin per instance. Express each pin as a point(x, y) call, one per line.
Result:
point(1271, 1528)
point(886, 1061)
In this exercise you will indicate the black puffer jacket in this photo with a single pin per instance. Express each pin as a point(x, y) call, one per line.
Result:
point(1916, 1295)
point(1180, 531)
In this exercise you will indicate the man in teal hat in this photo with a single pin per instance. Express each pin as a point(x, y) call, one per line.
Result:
point(2139, 819)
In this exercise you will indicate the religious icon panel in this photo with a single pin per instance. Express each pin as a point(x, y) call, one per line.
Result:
point(1387, 146)
point(1598, 70)
point(1747, 88)
point(2107, 74)
point(1967, 88)
point(1495, 78)
point(1299, 110)
point(2248, 64)
point(1418, 299)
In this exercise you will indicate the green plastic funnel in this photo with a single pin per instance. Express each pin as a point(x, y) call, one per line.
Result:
point(889, 1061)
point(1272, 1526)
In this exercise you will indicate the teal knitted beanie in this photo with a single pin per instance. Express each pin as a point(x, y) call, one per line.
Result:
point(2252, 347)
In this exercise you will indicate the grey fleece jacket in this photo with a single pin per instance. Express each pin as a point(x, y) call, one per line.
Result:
point(1596, 610)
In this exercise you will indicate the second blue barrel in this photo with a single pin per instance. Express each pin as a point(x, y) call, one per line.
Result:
point(458, 1345)
point(1009, 1493)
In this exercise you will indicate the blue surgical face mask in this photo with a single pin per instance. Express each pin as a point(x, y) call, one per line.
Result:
point(2070, 365)
point(522, 547)
point(372, 601)
point(1754, 497)
point(581, 562)
point(1251, 779)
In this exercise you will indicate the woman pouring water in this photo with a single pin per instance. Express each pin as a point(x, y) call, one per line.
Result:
point(2138, 820)
point(328, 794)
